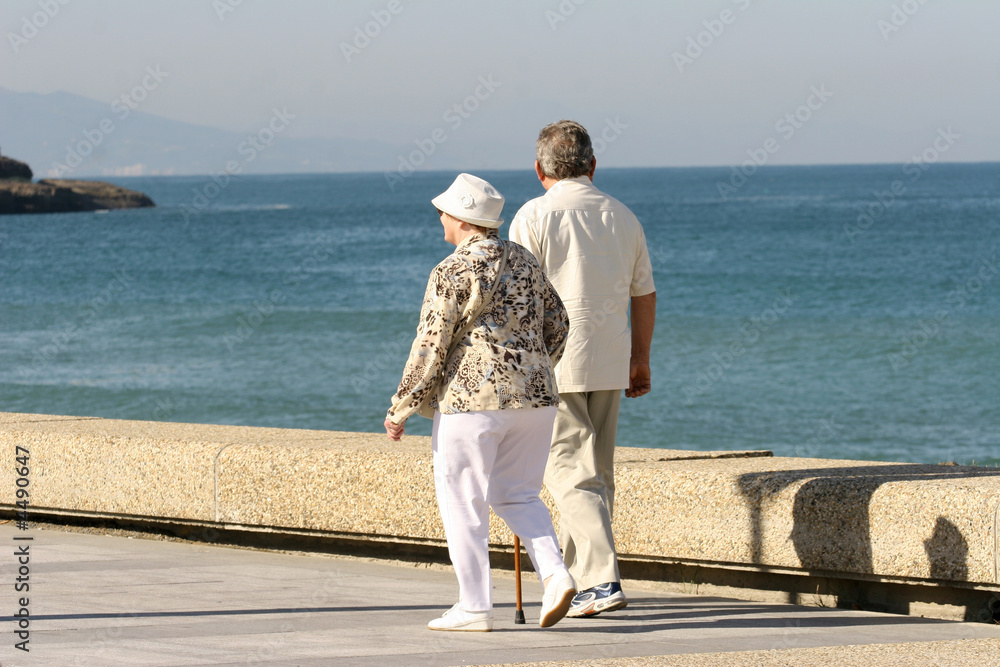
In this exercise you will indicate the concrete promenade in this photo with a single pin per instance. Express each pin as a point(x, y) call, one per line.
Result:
point(107, 600)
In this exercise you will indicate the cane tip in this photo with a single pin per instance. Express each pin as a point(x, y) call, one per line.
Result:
point(519, 617)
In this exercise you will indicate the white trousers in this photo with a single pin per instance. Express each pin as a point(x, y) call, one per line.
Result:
point(493, 458)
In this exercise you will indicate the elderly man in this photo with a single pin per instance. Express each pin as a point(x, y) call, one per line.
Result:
point(593, 250)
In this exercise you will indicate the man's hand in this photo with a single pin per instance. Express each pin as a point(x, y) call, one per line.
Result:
point(639, 382)
point(394, 431)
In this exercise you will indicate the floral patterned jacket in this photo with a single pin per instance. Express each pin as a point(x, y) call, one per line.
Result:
point(506, 359)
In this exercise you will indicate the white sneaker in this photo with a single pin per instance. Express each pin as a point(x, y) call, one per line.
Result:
point(466, 621)
point(557, 598)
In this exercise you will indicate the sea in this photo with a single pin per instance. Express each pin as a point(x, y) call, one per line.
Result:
point(842, 312)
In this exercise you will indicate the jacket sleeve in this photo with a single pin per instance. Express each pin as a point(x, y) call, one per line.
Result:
point(424, 368)
point(555, 329)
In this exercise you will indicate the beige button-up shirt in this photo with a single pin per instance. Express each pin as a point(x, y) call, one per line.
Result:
point(506, 360)
point(593, 249)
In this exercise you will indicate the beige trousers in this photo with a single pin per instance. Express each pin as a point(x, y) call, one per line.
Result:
point(580, 476)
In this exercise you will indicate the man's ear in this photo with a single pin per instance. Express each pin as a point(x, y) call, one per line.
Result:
point(593, 166)
point(538, 171)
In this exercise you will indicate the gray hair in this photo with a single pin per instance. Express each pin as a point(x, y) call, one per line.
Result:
point(564, 150)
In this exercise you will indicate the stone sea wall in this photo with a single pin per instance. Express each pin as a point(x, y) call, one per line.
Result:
point(910, 538)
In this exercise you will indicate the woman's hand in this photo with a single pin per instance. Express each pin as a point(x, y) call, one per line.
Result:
point(394, 431)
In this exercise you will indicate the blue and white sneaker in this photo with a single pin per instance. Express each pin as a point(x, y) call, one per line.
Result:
point(591, 602)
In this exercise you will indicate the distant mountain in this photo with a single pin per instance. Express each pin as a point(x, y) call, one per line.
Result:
point(68, 136)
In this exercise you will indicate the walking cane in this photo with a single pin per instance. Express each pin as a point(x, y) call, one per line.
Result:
point(518, 612)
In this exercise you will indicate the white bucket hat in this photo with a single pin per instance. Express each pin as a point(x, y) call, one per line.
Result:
point(472, 200)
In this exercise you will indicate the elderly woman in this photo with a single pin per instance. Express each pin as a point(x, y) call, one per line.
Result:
point(491, 329)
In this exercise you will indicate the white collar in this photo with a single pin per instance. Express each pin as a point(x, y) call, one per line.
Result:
point(579, 180)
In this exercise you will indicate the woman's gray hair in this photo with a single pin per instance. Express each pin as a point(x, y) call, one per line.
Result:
point(564, 150)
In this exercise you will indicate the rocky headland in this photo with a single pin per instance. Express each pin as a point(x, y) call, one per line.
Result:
point(18, 194)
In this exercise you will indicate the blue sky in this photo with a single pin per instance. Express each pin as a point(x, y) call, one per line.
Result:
point(666, 83)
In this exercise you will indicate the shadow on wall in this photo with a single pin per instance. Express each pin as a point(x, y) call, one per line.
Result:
point(947, 551)
point(831, 530)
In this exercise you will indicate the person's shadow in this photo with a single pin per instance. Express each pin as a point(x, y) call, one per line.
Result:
point(832, 534)
point(946, 550)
